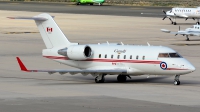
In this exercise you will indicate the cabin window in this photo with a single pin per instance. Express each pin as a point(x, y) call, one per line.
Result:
point(112, 56)
point(106, 56)
point(99, 55)
point(130, 56)
point(143, 57)
point(118, 56)
point(124, 56)
point(137, 57)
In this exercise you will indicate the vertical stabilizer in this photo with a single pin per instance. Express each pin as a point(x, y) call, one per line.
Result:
point(51, 34)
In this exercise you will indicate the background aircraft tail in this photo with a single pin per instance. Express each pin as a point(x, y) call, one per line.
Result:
point(49, 30)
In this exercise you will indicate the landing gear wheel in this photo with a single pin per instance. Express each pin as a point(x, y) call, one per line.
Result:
point(78, 3)
point(197, 23)
point(121, 78)
point(187, 38)
point(177, 82)
point(174, 23)
point(91, 4)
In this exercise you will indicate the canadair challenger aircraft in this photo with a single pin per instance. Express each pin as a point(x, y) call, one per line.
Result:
point(100, 60)
point(187, 13)
point(193, 31)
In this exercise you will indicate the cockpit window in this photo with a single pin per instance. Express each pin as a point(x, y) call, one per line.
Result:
point(169, 55)
point(162, 55)
point(174, 55)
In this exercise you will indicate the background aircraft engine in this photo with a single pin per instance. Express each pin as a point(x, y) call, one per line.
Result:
point(78, 52)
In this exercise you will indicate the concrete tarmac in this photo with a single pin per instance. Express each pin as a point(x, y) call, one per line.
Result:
point(22, 91)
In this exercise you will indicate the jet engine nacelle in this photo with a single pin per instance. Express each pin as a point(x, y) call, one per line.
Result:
point(77, 52)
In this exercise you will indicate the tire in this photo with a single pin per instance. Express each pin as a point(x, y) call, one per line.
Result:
point(121, 78)
point(177, 82)
point(78, 3)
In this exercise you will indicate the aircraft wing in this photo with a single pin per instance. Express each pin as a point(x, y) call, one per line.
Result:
point(181, 32)
point(94, 72)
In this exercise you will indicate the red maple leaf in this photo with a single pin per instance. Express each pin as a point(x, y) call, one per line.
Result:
point(163, 65)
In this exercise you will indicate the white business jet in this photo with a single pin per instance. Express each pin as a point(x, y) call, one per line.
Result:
point(193, 31)
point(187, 13)
point(100, 60)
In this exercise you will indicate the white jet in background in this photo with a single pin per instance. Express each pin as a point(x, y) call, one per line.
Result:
point(187, 13)
point(100, 60)
point(193, 31)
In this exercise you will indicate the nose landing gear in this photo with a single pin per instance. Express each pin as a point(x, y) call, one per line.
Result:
point(176, 80)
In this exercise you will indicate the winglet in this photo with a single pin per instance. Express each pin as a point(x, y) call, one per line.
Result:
point(22, 66)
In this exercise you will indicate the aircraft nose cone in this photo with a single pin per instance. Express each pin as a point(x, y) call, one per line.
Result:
point(192, 68)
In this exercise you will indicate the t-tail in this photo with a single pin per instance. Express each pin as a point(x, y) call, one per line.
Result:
point(51, 34)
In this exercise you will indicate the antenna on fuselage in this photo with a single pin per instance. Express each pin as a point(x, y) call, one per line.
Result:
point(108, 43)
point(148, 44)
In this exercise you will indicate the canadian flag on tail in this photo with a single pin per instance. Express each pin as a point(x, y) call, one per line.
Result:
point(49, 30)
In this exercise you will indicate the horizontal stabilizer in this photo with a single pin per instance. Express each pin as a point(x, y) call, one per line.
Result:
point(31, 18)
point(166, 31)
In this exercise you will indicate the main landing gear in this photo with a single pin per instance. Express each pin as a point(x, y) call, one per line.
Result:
point(187, 38)
point(176, 80)
point(174, 23)
point(197, 22)
point(120, 78)
point(100, 4)
point(78, 3)
point(100, 78)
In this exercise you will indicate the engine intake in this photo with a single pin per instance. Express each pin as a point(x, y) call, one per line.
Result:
point(77, 52)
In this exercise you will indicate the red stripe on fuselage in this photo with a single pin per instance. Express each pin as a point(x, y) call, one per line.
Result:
point(176, 69)
point(56, 57)
point(108, 60)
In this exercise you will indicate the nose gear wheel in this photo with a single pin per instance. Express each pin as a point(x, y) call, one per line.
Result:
point(176, 80)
